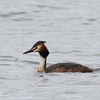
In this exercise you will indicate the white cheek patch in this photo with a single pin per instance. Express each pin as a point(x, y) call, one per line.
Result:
point(38, 48)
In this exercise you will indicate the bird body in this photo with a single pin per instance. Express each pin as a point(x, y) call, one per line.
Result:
point(68, 67)
point(59, 67)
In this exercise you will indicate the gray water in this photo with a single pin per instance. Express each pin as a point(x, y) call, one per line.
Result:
point(71, 29)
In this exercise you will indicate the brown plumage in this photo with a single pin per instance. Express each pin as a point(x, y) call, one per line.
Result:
point(59, 67)
point(68, 67)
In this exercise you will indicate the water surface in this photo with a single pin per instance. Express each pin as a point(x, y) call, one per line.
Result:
point(71, 29)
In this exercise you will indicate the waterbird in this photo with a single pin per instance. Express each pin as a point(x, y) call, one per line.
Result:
point(59, 67)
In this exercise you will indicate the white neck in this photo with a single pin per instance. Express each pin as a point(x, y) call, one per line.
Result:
point(42, 65)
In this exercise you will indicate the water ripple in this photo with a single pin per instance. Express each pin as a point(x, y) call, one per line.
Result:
point(12, 14)
point(92, 20)
point(22, 19)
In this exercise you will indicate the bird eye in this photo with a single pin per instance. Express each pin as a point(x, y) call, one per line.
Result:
point(34, 48)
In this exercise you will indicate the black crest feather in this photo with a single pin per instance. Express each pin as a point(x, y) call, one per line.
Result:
point(38, 43)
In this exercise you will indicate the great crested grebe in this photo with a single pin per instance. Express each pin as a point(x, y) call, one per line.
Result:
point(59, 67)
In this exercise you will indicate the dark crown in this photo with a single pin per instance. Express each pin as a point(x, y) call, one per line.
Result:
point(38, 43)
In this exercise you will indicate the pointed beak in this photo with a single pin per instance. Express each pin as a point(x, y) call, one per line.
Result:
point(29, 51)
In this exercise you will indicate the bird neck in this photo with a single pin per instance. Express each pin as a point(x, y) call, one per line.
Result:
point(42, 65)
point(44, 52)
